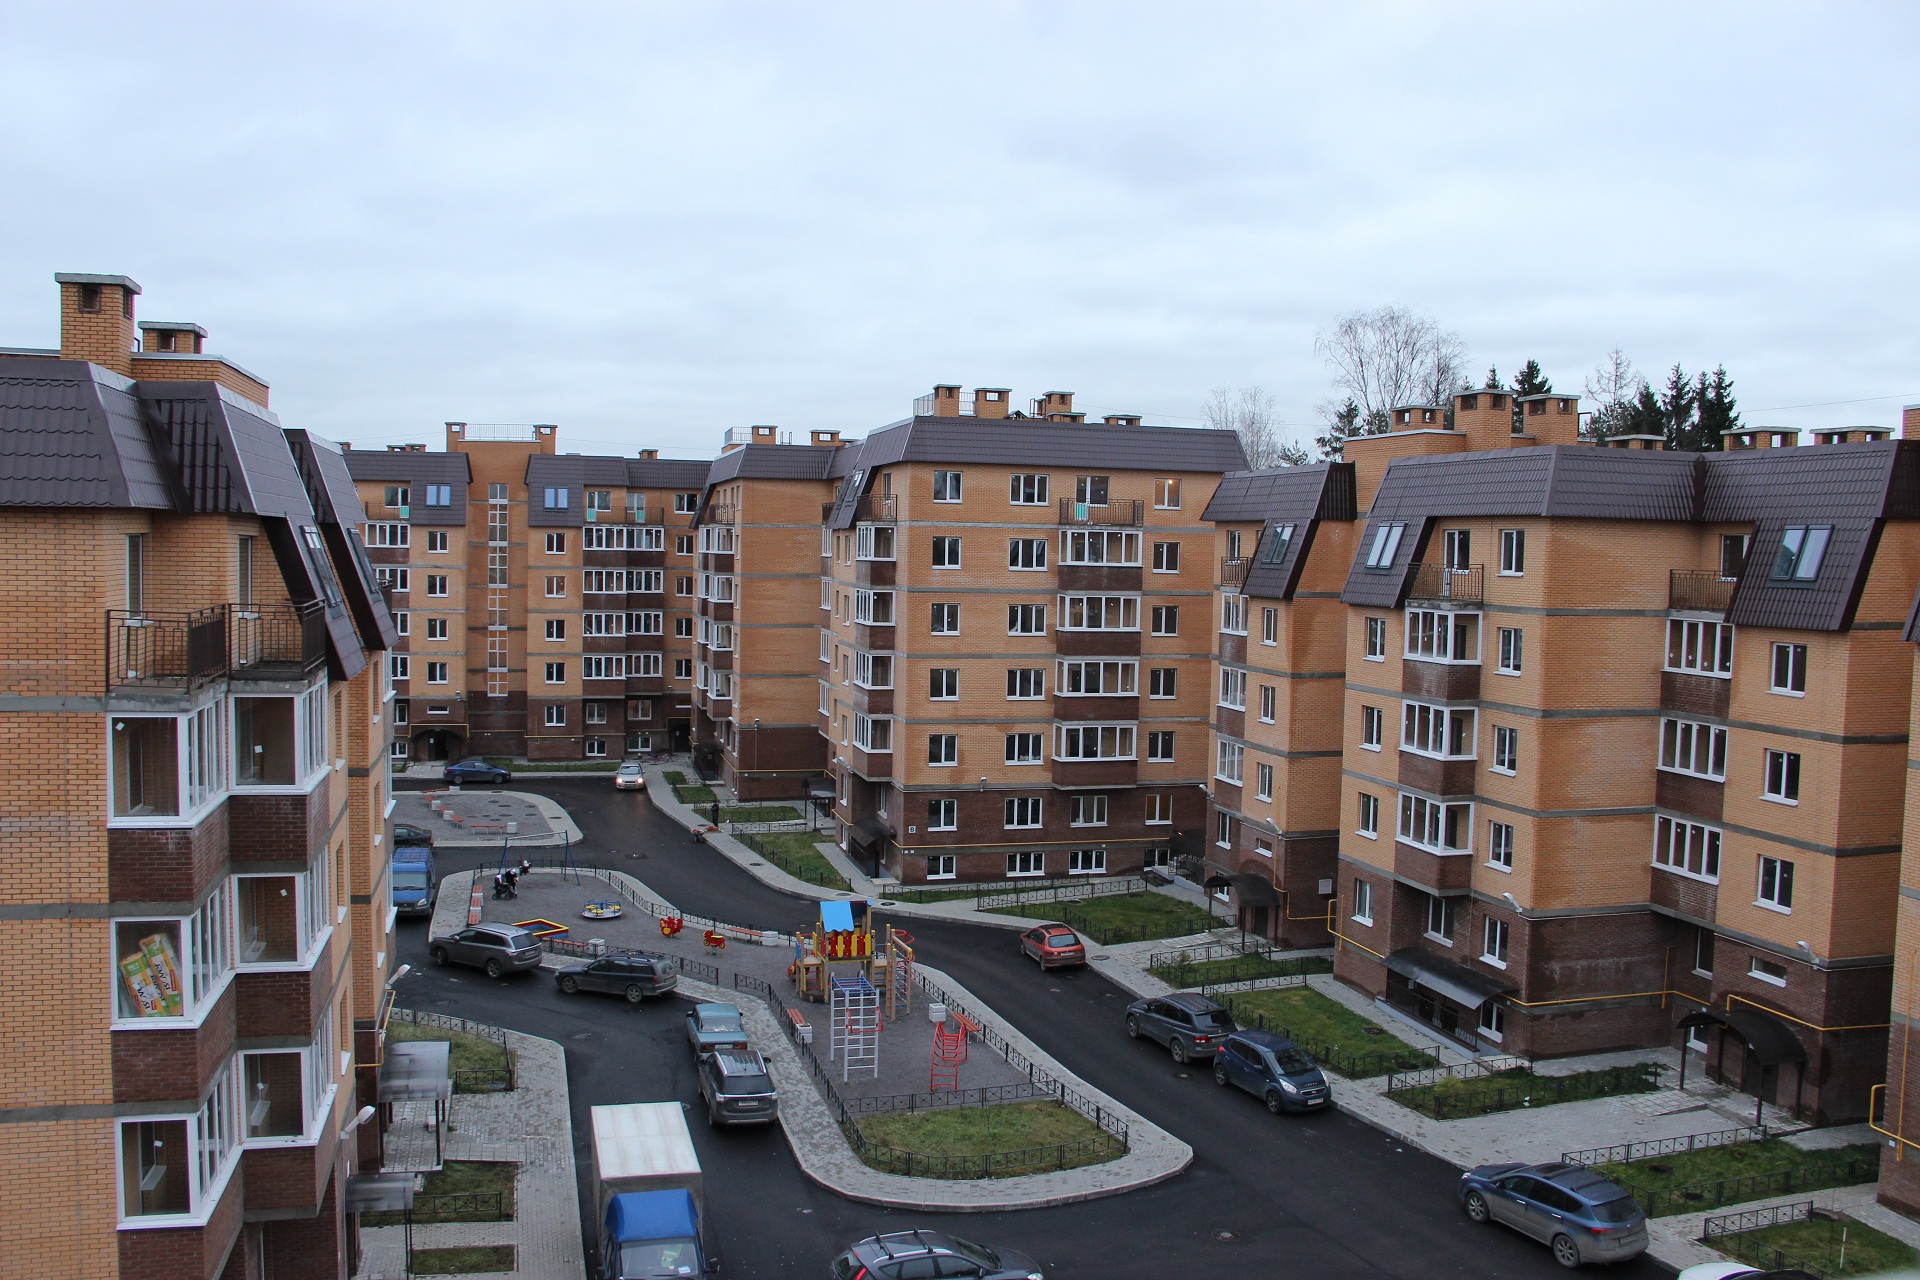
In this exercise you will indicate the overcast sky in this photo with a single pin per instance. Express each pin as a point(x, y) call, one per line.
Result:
point(650, 222)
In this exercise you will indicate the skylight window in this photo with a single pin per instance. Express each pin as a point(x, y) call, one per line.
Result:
point(1802, 548)
point(1386, 541)
point(1279, 538)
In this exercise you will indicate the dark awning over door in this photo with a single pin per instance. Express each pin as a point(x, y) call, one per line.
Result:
point(1464, 986)
point(869, 832)
point(1771, 1040)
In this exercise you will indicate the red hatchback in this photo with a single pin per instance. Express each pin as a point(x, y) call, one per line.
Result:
point(1053, 946)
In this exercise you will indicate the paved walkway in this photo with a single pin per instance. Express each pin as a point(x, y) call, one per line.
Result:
point(481, 818)
point(530, 1126)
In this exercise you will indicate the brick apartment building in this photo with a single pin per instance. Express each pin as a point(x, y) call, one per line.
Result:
point(544, 600)
point(1648, 716)
point(999, 648)
point(193, 743)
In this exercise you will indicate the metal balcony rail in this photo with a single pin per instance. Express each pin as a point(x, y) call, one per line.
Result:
point(626, 515)
point(876, 508)
point(1699, 589)
point(1130, 512)
point(719, 513)
point(1233, 570)
point(247, 641)
point(1439, 582)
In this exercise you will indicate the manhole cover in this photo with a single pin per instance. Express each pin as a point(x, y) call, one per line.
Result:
point(884, 903)
point(1100, 957)
point(1224, 1235)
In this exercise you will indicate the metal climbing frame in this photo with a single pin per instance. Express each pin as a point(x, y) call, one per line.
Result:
point(853, 1016)
point(949, 1052)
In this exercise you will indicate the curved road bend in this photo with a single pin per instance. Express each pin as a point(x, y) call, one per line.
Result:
point(1320, 1198)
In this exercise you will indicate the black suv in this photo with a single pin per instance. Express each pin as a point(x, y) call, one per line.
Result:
point(930, 1255)
point(1190, 1026)
point(738, 1088)
point(633, 974)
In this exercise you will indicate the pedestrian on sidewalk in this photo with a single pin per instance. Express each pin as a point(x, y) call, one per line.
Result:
point(714, 809)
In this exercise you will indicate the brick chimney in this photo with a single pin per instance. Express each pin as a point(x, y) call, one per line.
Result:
point(1547, 419)
point(1485, 418)
point(1122, 419)
point(1910, 422)
point(827, 439)
point(176, 336)
point(1055, 405)
point(650, 455)
point(991, 402)
point(96, 319)
point(946, 400)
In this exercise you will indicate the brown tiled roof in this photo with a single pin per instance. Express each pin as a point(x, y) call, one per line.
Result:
point(578, 472)
point(337, 504)
point(71, 435)
point(416, 467)
point(1299, 496)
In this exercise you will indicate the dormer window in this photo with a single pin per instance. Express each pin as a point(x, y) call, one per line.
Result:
point(1802, 548)
point(1386, 541)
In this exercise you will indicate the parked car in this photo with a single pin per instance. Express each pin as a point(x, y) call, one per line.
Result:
point(475, 769)
point(1740, 1271)
point(633, 974)
point(903, 1255)
point(738, 1088)
point(713, 1026)
point(1191, 1026)
point(629, 777)
point(1053, 946)
point(404, 835)
point(1273, 1069)
point(416, 886)
point(1580, 1214)
point(497, 948)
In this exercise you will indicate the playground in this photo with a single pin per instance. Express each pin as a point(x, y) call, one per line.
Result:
point(841, 968)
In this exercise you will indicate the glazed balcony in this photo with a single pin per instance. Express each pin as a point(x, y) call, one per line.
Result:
point(1439, 582)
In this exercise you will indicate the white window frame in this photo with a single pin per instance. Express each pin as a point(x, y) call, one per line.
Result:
point(1512, 651)
point(1156, 739)
point(1780, 777)
point(1230, 761)
point(1506, 750)
point(1098, 611)
point(1096, 677)
point(1027, 489)
point(1496, 938)
point(1427, 729)
point(1424, 823)
point(1110, 741)
point(1086, 862)
point(1027, 555)
point(1700, 646)
point(1085, 810)
point(1774, 884)
point(1794, 658)
point(1022, 813)
point(1026, 684)
point(1373, 728)
point(943, 815)
point(1690, 849)
point(1362, 901)
point(946, 551)
point(1027, 862)
point(1376, 640)
point(1513, 553)
point(1262, 781)
point(1367, 817)
point(1500, 838)
point(943, 750)
point(1026, 748)
point(1434, 635)
point(947, 486)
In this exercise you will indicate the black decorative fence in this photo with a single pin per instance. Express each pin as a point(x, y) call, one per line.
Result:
point(993, 897)
point(824, 877)
point(1628, 1152)
point(456, 1206)
point(1731, 1234)
point(1353, 1065)
point(1446, 1093)
point(1711, 1193)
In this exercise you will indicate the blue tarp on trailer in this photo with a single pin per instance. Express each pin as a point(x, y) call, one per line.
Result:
point(652, 1215)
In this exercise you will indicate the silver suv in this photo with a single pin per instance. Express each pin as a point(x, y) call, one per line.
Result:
point(497, 948)
point(738, 1088)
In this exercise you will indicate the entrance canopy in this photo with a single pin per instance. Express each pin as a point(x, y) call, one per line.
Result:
point(869, 831)
point(1463, 986)
point(1770, 1039)
point(416, 1070)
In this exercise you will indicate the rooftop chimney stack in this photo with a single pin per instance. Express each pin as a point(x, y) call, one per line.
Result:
point(1057, 406)
point(1910, 422)
point(827, 439)
point(172, 337)
point(96, 319)
point(649, 455)
point(1122, 419)
point(1550, 418)
point(946, 400)
point(990, 402)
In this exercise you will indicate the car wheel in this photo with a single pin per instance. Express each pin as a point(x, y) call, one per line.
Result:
point(569, 985)
point(440, 956)
point(1273, 1103)
point(1477, 1207)
point(1133, 1024)
point(1220, 1074)
point(1178, 1049)
point(635, 994)
point(495, 969)
point(1565, 1251)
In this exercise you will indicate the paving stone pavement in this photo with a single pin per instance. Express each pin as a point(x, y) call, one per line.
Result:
point(530, 1125)
point(543, 823)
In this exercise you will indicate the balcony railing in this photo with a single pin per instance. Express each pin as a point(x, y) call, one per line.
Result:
point(1122, 511)
point(1438, 582)
point(180, 650)
point(876, 508)
point(626, 515)
point(1233, 570)
point(1702, 590)
point(719, 513)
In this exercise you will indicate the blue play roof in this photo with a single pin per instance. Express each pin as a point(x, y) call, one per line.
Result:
point(652, 1215)
point(836, 917)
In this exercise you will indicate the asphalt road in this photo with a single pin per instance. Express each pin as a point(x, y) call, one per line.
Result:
point(1319, 1197)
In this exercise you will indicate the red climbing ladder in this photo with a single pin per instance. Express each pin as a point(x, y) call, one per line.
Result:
point(949, 1051)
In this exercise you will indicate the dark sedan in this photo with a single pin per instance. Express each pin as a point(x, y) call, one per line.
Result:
point(1191, 1026)
point(1578, 1213)
point(404, 835)
point(476, 769)
point(635, 975)
point(907, 1255)
point(497, 948)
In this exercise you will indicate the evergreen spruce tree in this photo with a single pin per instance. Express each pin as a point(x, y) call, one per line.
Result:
point(1676, 412)
point(1530, 381)
point(1493, 379)
point(1342, 426)
point(1718, 411)
point(1642, 416)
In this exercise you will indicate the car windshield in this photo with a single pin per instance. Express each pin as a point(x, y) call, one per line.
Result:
point(1293, 1062)
point(658, 1258)
point(409, 879)
point(629, 770)
point(713, 1021)
point(518, 941)
point(975, 1252)
point(1063, 938)
point(1622, 1210)
point(746, 1084)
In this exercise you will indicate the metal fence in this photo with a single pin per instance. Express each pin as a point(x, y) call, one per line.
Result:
point(455, 1206)
point(1729, 1234)
point(622, 886)
point(1228, 949)
point(1208, 974)
point(1710, 1193)
point(826, 878)
point(1627, 1152)
point(989, 899)
point(499, 1079)
point(1354, 1066)
point(1109, 934)
point(1484, 1094)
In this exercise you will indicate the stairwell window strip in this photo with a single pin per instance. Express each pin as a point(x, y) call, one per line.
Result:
point(1699, 647)
point(1689, 849)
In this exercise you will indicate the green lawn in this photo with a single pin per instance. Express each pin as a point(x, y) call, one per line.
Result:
point(458, 1177)
point(470, 1054)
point(1453, 1098)
point(1122, 917)
point(1034, 1128)
point(1819, 1241)
point(1327, 1025)
point(794, 853)
point(1739, 1160)
point(464, 1260)
point(694, 795)
point(674, 777)
point(1199, 973)
point(761, 813)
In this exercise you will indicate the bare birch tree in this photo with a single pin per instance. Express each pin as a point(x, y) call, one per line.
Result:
point(1249, 412)
point(1382, 358)
point(1613, 386)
